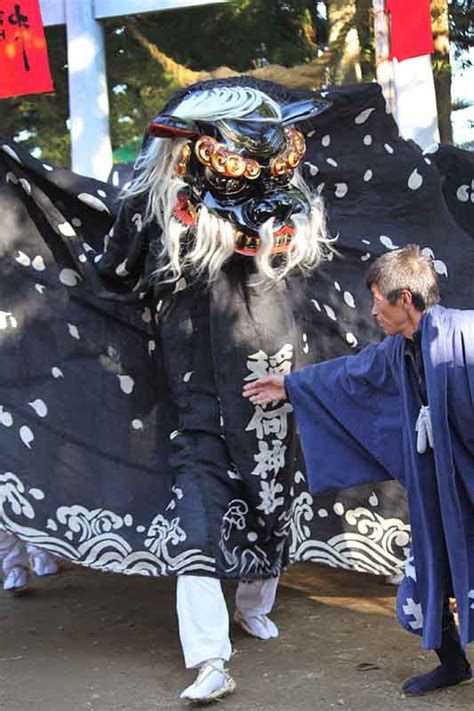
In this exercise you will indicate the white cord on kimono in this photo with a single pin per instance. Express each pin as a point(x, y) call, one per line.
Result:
point(424, 430)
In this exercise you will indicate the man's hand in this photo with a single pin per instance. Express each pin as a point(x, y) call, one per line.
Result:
point(265, 390)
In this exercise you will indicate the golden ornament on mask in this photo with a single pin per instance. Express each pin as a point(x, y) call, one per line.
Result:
point(183, 159)
point(297, 140)
point(232, 165)
point(236, 165)
point(218, 161)
point(204, 149)
point(278, 165)
point(252, 170)
point(253, 243)
point(290, 158)
point(293, 159)
point(224, 162)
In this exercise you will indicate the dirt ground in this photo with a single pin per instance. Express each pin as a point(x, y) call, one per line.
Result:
point(85, 640)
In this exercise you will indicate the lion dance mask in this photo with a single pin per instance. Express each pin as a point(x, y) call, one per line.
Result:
point(231, 158)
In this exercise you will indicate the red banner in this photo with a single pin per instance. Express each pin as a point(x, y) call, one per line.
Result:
point(24, 67)
point(410, 28)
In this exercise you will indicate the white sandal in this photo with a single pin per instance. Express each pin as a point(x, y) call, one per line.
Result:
point(43, 564)
point(213, 690)
point(259, 626)
point(16, 582)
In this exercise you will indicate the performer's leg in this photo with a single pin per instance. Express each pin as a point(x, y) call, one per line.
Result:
point(204, 633)
point(41, 562)
point(254, 600)
point(14, 563)
point(454, 668)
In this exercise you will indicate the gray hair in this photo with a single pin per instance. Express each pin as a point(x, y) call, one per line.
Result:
point(409, 269)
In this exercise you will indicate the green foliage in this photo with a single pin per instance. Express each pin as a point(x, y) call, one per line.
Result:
point(461, 24)
point(138, 87)
point(237, 34)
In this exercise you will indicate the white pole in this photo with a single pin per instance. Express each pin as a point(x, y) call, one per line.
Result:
point(383, 66)
point(415, 111)
point(408, 86)
point(88, 97)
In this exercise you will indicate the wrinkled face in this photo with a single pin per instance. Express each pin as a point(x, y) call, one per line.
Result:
point(392, 318)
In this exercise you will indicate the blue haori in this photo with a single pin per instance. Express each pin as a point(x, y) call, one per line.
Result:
point(360, 421)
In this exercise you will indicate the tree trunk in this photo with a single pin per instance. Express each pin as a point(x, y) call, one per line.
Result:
point(341, 14)
point(365, 30)
point(442, 67)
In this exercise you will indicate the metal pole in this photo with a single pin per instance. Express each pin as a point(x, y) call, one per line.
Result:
point(88, 97)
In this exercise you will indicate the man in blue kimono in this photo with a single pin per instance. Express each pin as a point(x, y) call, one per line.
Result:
point(404, 409)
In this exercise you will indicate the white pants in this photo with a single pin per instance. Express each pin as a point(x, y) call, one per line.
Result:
point(203, 618)
point(15, 553)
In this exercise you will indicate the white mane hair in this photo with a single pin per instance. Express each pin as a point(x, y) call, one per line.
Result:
point(215, 238)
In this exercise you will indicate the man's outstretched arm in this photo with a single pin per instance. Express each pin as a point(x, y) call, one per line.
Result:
point(348, 415)
point(266, 390)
